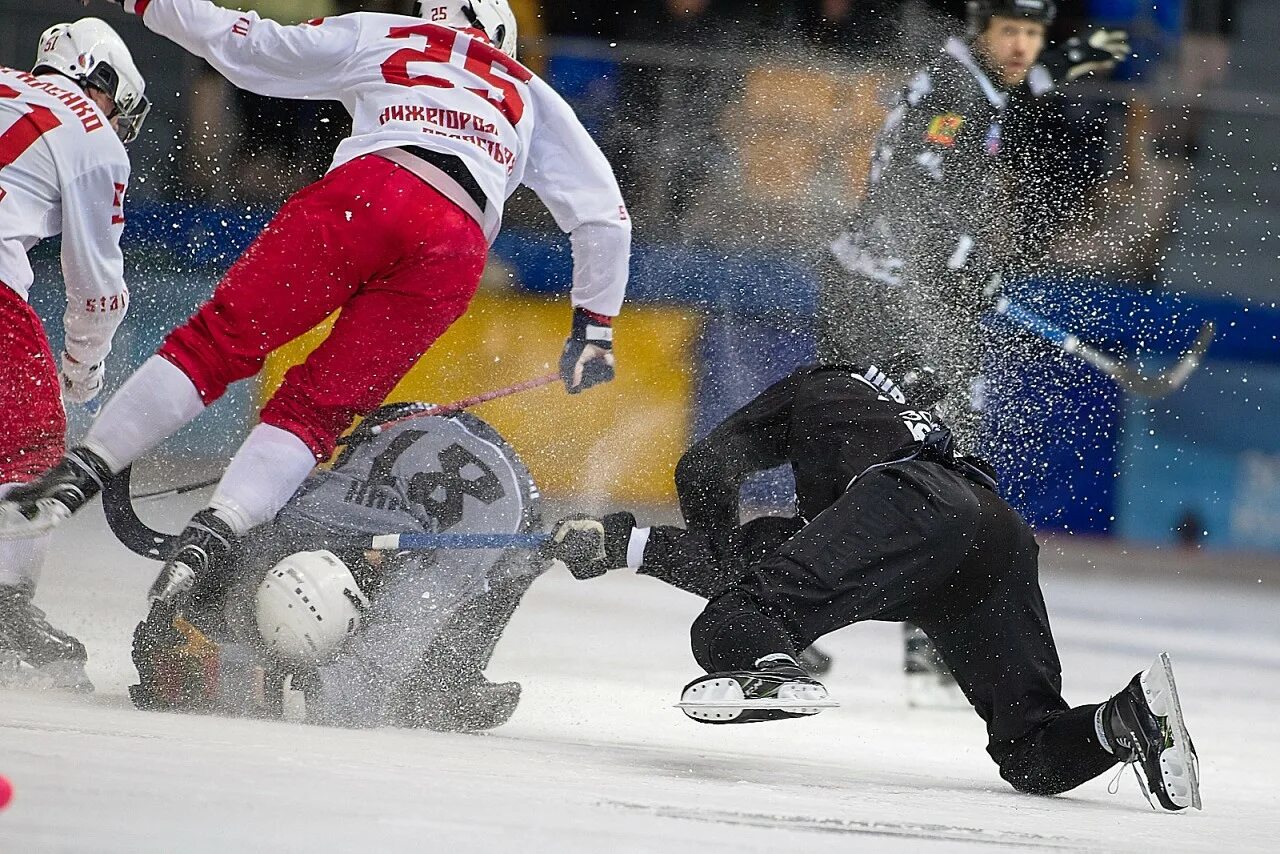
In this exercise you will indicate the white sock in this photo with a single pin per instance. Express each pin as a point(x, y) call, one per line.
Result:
point(263, 475)
point(22, 560)
point(152, 405)
point(635, 547)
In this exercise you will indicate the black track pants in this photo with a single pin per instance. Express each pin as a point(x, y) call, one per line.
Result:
point(918, 542)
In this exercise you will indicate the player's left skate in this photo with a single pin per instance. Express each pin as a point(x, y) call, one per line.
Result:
point(33, 654)
point(776, 689)
point(1145, 728)
point(36, 507)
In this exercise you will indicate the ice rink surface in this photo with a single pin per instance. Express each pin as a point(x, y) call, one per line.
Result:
point(596, 759)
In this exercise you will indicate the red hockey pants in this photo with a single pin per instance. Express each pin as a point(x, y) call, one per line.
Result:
point(370, 238)
point(33, 425)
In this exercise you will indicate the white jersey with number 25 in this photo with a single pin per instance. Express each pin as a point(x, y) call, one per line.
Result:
point(409, 82)
point(64, 170)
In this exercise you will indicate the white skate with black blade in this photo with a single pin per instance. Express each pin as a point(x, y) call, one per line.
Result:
point(778, 688)
point(1144, 726)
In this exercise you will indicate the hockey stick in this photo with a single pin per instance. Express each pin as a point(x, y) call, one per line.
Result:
point(136, 535)
point(142, 539)
point(425, 411)
point(430, 542)
point(175, 490)
point(421, 412)
point(1130, 378)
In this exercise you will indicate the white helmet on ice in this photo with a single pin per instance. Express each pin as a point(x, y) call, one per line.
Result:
point(307, 607)
point(493, 17)
point(90, 53)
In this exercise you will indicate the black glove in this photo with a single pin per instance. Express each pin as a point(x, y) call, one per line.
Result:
point(177, 665)
point(1100, 50)
point(587, 359)
point(590, 546)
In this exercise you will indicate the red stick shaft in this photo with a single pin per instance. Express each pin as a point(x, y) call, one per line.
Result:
point(468, 402)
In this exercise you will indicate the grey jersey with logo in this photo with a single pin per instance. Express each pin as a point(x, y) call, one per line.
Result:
point(451, 474)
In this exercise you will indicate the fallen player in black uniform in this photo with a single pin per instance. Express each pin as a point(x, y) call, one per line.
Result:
point(894, 526)
point(367, 637)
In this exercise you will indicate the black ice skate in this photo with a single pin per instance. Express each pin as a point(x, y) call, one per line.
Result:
point(930, 683)
point(777, 689)
point(814, 661)
point(588, 546)
point(33, 654)
point(34, 508)
point(1145, 728)
point(202, 550)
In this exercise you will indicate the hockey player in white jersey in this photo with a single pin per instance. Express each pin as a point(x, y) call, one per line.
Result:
point(63, 169)
point(446, 125)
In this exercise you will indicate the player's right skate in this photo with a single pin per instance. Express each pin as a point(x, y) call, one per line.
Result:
point(33, 654)
point(1144, 726)
point(203, 547)
point(776, 689)
point(34, 508)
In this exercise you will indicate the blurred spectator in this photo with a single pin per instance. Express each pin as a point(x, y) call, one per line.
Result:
point(1202, 66)
point(247, 147)
point(665, 141)
point(858, 27)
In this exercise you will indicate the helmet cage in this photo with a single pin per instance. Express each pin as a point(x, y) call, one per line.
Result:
point(131, 108)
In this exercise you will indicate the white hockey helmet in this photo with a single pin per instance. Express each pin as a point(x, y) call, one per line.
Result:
point(493, 17)
point(90, 53)
point(307, 607)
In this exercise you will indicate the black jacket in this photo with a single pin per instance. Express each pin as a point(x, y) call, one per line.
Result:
point(831, 424)
point(939, 193)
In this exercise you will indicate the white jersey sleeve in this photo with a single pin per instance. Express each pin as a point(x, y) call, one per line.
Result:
point(67, 177)
point(92, 264)
point(258, 54)
point(574, 180)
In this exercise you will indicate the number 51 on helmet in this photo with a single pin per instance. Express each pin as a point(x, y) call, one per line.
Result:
point(89, 52)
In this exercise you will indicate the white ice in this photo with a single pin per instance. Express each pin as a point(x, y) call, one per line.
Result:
point(596, 760)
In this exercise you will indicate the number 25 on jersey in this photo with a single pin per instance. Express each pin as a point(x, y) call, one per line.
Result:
point(488, 63)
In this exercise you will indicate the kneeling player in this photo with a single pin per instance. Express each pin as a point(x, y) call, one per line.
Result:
point(899, 528)
point(369, 637)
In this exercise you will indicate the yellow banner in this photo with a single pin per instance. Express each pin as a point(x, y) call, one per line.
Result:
point(617, 442)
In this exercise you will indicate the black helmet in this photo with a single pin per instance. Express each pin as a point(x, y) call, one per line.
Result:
point(981, 11)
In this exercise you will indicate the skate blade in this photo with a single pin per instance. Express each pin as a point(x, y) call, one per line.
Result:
point(1179, 765)
point(720, 700)
point(14, 525)
point(760, 704)
point(59, 676)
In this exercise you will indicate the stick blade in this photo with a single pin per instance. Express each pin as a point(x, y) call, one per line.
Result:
point(1164, 383)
